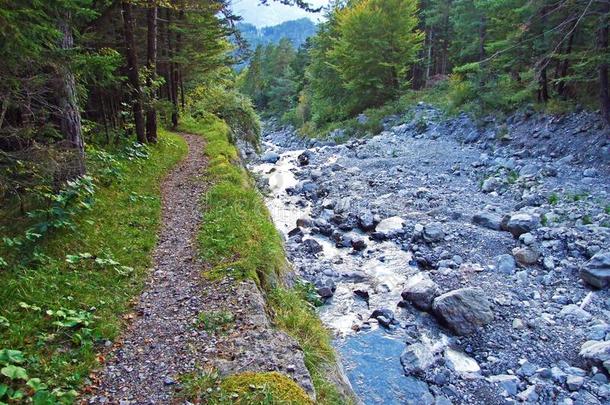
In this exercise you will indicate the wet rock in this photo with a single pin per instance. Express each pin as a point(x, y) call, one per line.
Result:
point(460, 363)
point(415, 392)
point(420, 291)
point(416, 358)
point(312, 246)
point(597, 270)
point(358, 244)
point(433, 232)
point(521, 223)
point(463, 310)
point(363, 294)
point(270, 157)
point(487, 220)
point(295, 232)
point(325, 292)
point(303, 158)
point(525, 256)
point(505, 264)
point(383, 312)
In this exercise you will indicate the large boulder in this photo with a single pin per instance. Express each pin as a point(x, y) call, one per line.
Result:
point(366, 221)
point(391, 226)
point(596, 352)
point(463, 310)
point(526, 256)
point(521, 223)
point(487, 220)
point(597, 270)
point(420, 291)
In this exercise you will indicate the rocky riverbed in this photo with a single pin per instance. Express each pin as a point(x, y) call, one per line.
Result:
point(458, 263)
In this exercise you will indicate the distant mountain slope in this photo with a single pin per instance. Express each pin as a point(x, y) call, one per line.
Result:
point(296, 30)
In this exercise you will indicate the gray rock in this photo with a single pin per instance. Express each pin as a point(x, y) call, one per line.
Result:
point(312, 246)
point(529, 171)
point(463, 310)
point(505, 264)
point(303, 158)
point(391, 226)
point(596, 351)
point(597, 270)
point(487, 220)
point(270, 157)
point(575, 312)
point(574, 382)
point(528, 395)
point(325, 292)
point(521, 223)
point(415, 392)
point(509, 383)
point(525, 256)
point(490, 184)
point(366, 221)
point(433, 232)
point(420, 291)
point(416, 358)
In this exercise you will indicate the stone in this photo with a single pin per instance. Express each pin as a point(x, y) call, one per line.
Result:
point(596, 351)
point(528, 395)
point(325, 292)
point(505, 264)
point(270, 157)
point(525, 256)
point(574, 312)
point(487, 220)
point(433, 232)
point(463, 310)
point(509, 383)
point(312, 246)
point(596, 271)
point(521, 223)
point(391, 226)
point(366, 221)
point(460, 363)
point(303, 158)
point(416, 358)
point(490, 184)
point(415, 392)
point(420, 291)
point(574, 382)
point(529, 171)
point(386, 313)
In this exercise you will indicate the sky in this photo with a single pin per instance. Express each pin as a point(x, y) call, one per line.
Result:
point(273, 13)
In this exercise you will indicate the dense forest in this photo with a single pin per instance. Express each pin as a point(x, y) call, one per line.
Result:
point(469, 55)
point(101, 73)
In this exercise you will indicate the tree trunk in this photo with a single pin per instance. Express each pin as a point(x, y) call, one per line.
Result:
point(151, 113)
point(602, 44)
point(482, 36)
point(563, 68)
point(543, 92)
point(132, 71)
point(429, 57)
point(69, 115)
point(171, 72)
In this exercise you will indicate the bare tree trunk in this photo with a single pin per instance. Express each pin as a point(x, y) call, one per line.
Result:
point(151, 113)
point(482, 36)
point(69, 115)
point(602, 45)
point(429, 61)
point(563, 67)
point(171, 72)
point(132, 71)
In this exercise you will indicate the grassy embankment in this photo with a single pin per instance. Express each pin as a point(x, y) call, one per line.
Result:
point(239, 238)
point(57, 313)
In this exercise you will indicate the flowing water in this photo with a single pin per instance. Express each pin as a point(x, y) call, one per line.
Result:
point(370, 354)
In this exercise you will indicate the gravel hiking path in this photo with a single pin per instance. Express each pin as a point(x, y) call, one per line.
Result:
point(161, 342)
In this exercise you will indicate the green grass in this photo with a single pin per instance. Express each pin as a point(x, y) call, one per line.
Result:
point(122, 225)
point(239, 239)
point(215, 321)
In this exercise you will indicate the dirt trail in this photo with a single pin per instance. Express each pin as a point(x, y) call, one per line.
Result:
point(161, 342)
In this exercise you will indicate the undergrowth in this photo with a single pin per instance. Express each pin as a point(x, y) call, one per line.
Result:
point(66, 293)
point(239, 239)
